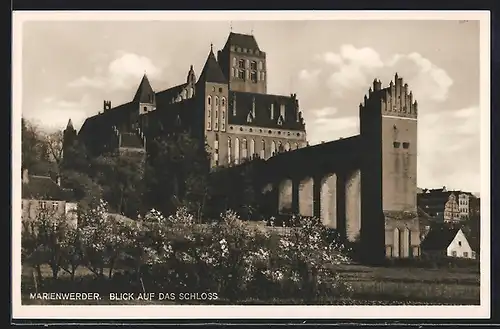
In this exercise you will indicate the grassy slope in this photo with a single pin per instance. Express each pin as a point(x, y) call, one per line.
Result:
point(372, 285)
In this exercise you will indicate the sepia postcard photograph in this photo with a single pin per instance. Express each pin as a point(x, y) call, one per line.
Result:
point(198, 165)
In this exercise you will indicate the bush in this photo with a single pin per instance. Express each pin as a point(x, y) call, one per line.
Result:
point(234, 258)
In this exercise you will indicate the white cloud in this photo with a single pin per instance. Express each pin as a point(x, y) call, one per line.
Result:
point(428, 81)
point(323, 124)
point(351, 69)
point(122, 73)
point(55, 114)
point(448, 144)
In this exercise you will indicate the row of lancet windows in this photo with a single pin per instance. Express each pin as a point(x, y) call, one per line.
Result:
point(240, 150)
point(215, 106)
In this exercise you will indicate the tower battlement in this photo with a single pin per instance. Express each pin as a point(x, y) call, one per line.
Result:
point(395, 100)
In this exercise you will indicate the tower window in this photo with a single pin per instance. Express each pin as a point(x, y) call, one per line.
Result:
point(234, 61)
point(241, 64)
point(406, 145)
point(220, 90)
point(241, 74)
point(253, 65)
point(396, 144)
point(253, 76)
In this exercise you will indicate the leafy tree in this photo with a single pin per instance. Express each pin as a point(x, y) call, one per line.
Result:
point(121, 179)
point(34, 149)
point(177, 174)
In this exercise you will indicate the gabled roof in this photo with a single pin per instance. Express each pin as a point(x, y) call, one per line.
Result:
point(42, 188)
point(439, 238)
point(211, 71)
point(242, 40)
point(144, 91)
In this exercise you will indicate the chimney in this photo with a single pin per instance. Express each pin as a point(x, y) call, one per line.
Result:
point(25, 178)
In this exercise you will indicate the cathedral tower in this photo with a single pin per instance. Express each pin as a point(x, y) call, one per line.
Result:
point(243, 64)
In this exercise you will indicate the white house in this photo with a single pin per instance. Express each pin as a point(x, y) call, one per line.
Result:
point(450, 242)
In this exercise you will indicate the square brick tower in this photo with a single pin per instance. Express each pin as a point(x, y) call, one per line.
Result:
point(388, 124)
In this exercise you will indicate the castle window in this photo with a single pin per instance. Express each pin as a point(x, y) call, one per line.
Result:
point(145, 109)
point(241, 128)
point(43, 205)
point(253, 65)
point(234, 61)
point(406, 145)
point(252, 147)
point(237, 150)
point(241, 74)
point(396, 144)
point(253, 76)
point(273, 148)
point(213, 89)
point(209, 119)
point(272, 111)
point(216, 102)
point(466, 254)
point(260, 65)
point(298, 134)
point(280, 146)
point(244, 50)
point(209, 101)
point(282, 111)
point(220, 90)
point(55, 205)
point(238, 49)
point(263, 149)
point(287, 146)
point(241, 64)
point(244, 149)
point(270, 132)
point(229, 150)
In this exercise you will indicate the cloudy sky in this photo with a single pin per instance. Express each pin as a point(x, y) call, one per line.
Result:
point(69, 68)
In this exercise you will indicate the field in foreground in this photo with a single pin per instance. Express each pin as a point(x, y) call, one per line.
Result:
point(372, 286)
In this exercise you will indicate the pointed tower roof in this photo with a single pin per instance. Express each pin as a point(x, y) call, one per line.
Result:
point(143, 91)
point(69, 126)
point(211, 71)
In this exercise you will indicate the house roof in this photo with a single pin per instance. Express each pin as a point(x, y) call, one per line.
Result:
point(242, 40)
point(211, 71)
point(439, 238)
point(41, 188)
point(244, 103)
point(144, 91)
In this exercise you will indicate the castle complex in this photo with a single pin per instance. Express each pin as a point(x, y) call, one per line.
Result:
point(363, 186)
point(227, 106)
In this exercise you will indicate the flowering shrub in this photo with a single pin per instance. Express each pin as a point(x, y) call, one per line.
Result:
point(230, 256)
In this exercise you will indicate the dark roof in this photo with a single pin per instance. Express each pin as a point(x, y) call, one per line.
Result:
point(439, 238)
point(41, 188)
point(262, 118)
point(69, 126)
point(144, 91)
point(131, 140)
point(242, 40)
point(211, 71)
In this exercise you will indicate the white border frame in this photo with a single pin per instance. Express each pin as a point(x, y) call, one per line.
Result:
point(257, 312)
